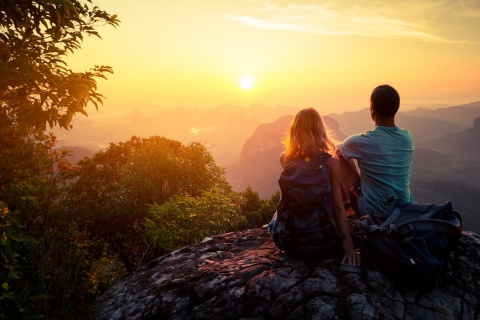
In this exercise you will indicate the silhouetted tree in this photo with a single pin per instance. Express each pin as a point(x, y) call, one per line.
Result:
point(37, 89)
point(36, 85)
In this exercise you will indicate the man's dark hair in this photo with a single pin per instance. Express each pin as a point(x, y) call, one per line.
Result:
point(385, 100)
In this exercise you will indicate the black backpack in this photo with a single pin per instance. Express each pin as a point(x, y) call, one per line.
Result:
point(304, 225)
point(411, 242)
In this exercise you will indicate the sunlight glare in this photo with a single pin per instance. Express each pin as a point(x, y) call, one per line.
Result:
point(246, 83)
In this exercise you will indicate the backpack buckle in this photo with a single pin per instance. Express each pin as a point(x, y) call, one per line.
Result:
point(365, 222)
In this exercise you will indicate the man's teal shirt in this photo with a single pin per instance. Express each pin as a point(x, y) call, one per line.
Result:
point(384, 157)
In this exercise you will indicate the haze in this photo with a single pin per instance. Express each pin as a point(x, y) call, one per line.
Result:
point(323, 54)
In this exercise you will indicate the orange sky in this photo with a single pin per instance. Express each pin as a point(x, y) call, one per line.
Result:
point(323, 54)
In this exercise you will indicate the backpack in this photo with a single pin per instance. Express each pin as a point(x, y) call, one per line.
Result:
point(303, 225)
point(412, 242)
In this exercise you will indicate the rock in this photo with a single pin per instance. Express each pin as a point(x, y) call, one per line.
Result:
point(242, 275)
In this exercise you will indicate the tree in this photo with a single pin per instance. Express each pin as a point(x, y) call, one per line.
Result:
point(54, 265)
point(113, 189)
point(257, 211)
point(162, 168)
point(37, 89)
point(16, 295)
point(36, 86)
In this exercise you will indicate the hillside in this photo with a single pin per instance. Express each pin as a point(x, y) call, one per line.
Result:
point(462, 114)
point(78, 153)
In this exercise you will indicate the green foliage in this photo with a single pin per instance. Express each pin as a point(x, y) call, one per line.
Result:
point(36, 86)
point(64, 260)
point(48, 262)
point(257, 211)
point(57, 263)
point(93, 223)
point(186, 219)
point(162, 168)
point(113, 189)
point(16, 295)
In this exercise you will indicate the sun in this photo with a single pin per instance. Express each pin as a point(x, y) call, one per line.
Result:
point(246, 83)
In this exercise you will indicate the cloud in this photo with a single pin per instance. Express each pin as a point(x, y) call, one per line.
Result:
point(262, 24)
point(418, 20)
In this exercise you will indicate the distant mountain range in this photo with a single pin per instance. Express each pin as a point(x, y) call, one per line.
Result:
point(445, 166)
point(222, 129)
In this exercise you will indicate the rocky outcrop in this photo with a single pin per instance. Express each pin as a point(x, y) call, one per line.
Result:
point(242, 275)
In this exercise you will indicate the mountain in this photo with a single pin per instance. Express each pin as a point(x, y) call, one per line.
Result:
point(462, 114)
point(354, 121)
point(78, 153)
point(259, 158)
point(466, 142)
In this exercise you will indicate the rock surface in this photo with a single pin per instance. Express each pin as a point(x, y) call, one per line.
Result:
point(242, 275)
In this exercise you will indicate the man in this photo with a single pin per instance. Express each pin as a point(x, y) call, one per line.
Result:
point(384, 156)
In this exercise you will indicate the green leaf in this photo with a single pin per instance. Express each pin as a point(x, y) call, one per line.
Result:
point(22, 238)
point(5, 286)
point(3, 238)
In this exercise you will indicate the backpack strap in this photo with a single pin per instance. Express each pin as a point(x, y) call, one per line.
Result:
point(280, 227)
point(370, 227)
point(441, 226)
point(318, 161)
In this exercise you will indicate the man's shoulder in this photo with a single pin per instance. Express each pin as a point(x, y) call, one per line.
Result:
point(381, 131)
point(406, 132)
point(359, 137)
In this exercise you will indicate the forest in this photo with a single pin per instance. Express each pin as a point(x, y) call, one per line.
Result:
point(67, 231)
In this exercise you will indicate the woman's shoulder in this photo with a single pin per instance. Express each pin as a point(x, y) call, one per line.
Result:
point(332, 160)
point(282, 159)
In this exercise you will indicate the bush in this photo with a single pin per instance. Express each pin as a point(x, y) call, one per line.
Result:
point(185, 220)
point(16, 295)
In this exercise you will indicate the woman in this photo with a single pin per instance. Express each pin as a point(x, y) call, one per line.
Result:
point(308, 138)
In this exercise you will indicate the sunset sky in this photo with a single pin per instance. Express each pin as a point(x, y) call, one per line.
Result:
point(323, 54)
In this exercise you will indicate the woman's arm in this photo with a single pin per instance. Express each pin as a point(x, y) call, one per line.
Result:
point(348, 170)
point(351, 255)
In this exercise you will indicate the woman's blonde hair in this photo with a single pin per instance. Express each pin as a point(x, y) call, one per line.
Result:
point(307, 136)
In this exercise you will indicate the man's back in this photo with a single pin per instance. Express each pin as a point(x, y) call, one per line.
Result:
point(384, 156)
